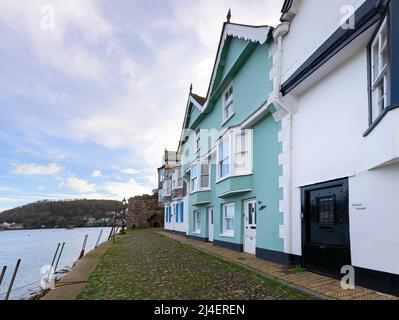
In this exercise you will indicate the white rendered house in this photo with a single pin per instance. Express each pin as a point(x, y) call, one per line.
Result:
point(336, 90)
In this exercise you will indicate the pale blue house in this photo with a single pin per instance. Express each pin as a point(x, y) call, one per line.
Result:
point(230, 149)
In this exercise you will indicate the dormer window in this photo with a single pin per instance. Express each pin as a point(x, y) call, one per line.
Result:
point(228, 104)
point(379, 72)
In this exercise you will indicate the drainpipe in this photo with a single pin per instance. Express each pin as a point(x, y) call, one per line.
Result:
point(279, 33)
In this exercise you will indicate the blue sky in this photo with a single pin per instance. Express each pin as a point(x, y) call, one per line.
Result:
point(92, 95)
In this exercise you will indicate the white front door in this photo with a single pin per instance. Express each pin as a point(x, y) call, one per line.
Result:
point(210, 222)
point(250, 227)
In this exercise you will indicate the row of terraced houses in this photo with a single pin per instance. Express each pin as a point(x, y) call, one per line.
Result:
point(293, 154)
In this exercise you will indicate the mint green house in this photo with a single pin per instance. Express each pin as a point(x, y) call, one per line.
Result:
point(230, 149)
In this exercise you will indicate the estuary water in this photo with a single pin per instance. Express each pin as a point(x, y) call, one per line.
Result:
point(36, 249)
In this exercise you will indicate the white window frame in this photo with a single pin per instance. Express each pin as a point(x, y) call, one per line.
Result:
point(238, 150)
point(226, 159)
point(194, 178)
point(201, 175)
point(197, 222)
point(198, 142)
point(177, 178)
point(234, 168)
point(196, 181)
point(228, 103)
point(379, 72)
point(167, 185)
point(228, 232)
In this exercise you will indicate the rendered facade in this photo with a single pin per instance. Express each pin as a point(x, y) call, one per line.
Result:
point(293, 154)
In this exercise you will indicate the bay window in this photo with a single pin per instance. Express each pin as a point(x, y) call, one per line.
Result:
point(194, 178)
point(242, 156)
point(228, 211)
point(224, 158)
point(177, 179)
point(237, 146)
point(379, 72)
point(205, 182)
point(200, 177)
point(167, 186)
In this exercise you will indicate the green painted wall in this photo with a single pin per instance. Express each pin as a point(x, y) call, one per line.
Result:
point(251, 89)
point(266, 184)
point(194, 114)
point(233, 51)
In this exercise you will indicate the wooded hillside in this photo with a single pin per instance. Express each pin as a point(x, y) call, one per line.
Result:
point(77, 213)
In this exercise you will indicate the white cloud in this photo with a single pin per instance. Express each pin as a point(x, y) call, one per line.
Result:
point(126, 190)
point(25, 17)
point(8, 189)
point(130, 171)
point(36, 170)
point(80, 185)
point(97, 174)
point(150, 78)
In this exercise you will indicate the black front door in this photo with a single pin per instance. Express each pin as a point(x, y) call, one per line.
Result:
point(325, 227)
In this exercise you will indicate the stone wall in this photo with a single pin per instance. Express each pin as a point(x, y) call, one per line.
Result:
point(144, 212)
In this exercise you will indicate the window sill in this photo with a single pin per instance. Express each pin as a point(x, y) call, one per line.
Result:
point(201, 190)
point(379, 119)
point(228, 119)
point(227, 235)
point(234, 176)
point(197, 233)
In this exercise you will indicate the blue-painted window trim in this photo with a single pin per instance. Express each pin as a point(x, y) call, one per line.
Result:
point(177, 213)
point(181, 212)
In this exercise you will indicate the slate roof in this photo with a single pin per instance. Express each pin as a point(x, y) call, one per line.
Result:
point(199, 99)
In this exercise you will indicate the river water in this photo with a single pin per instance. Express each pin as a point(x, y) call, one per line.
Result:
point(36, 249)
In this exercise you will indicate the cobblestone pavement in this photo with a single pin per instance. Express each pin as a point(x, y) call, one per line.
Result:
point(316, 284)
point(147, 266)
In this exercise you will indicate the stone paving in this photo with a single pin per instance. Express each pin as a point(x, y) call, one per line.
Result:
point(147, 266)
point(318, 285)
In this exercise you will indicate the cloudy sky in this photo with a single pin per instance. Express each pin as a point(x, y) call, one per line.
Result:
point(92, 95)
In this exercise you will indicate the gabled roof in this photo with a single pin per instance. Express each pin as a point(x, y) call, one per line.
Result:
point(254, 34)
point(259, 34)
point(198, 99)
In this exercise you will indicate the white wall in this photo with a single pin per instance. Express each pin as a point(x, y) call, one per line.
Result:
point(374, 226)
point(182, 227)
point(168, 226)
point(328, 144)
point(315, 22)
point(328, 128)
point(328, 132)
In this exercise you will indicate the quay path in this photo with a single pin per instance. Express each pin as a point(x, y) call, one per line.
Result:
point(157, 265)
point(145, 265)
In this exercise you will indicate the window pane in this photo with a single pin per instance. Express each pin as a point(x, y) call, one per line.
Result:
point(241, 160)
point(204, 181)
point(224, 158)
point(225, 169)
point(326, 210)
point(376, 62)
